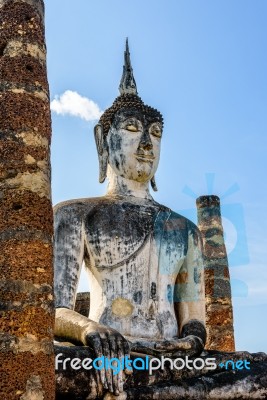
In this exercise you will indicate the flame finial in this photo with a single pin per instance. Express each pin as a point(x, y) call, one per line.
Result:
point(127, 83)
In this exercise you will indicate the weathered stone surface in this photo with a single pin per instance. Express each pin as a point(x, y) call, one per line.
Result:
point(16, 109)
point(24, 365)
point(24, 70)
point(26, 218)
point(39, 254)
point(220, 383)
point(22, 20)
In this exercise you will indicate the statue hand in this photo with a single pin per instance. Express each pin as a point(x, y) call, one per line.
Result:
point(109, 343)
point(190, 345)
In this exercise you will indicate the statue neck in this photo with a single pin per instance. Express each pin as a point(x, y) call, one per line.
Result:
point(119, 186)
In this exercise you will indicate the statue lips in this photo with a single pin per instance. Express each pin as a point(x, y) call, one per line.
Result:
point(145, 157)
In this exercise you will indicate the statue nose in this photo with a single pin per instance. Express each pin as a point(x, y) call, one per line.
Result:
point(145, 141)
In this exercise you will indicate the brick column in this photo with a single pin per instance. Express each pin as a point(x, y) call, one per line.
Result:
point(219, 320)
point(26, 226)
point(82, 304)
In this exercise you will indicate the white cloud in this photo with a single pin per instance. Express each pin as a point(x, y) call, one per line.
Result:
point(72, 103)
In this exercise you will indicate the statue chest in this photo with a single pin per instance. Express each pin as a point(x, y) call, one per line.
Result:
point(116, 233)
point(135, 298)
point(134, 251)
point(135, 254)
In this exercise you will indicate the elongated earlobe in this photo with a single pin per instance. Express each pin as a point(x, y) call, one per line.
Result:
point(153, 184)
point(101, 146)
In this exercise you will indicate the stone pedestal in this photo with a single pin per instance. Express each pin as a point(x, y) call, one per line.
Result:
point(232, 379)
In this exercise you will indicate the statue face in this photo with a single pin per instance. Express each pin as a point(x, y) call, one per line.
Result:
point(134, 145)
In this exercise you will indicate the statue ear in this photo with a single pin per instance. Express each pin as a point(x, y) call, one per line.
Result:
point(153, 184)
point(102, 151)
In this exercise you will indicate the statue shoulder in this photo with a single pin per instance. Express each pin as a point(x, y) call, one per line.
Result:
point(75, 208)
point(182, 223)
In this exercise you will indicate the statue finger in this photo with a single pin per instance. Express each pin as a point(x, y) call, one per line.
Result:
point(106, 371)
point(126, 347)
point(127, 350)
point(97, 375)
point(95, 383)
point(96, 378)
point(114, 354)
point(197, 344)
point(121, 355)
point(97, 345)
point(178, 344)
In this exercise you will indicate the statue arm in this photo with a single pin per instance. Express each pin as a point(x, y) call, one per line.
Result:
point(189, 301)
point(68, 258)
point(104, 341)
point(68, 254)
point(190, 292)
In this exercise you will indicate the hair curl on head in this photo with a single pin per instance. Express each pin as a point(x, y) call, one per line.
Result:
point(128, 101)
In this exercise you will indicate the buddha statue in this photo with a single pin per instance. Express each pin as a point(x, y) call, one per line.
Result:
point(144, 261)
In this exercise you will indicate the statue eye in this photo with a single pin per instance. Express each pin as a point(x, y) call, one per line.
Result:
point(131, 128)
point(155, 130)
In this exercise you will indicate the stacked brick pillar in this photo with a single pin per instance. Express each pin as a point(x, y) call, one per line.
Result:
point(26, 274)
point(219, 312)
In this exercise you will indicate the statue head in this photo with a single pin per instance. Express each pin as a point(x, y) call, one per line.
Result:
point(128, 134)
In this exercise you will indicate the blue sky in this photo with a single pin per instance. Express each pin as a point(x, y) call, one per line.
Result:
point(203, 64)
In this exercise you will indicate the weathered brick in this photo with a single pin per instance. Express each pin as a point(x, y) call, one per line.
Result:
point(26, 218)
point(219, 310)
